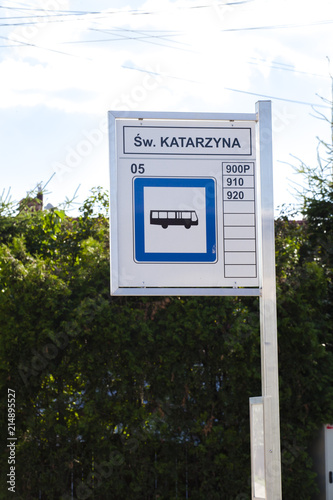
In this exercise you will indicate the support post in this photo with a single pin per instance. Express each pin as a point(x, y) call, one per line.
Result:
point(268, 315)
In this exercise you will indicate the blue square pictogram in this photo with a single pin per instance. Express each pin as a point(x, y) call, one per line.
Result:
point(174, 219)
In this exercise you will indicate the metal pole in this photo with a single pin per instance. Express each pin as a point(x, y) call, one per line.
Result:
point(268, 317)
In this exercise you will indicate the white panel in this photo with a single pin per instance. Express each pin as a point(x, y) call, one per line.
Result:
point(237, 245)
point(173, 163)
point(239, 220)
point(235, 167)
point(240, 257)
point(329, 461)
point(257, 448)
point(238, 181)
point(234, 207)
point(238, 194)
point(178, 140)
point(240, 271)
point(239, 232)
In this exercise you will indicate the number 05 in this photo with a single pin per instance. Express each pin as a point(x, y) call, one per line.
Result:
point(137, 169)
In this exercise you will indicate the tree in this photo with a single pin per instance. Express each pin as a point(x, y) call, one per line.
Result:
point(141, 398)
point(305, 271)
point(305, 358)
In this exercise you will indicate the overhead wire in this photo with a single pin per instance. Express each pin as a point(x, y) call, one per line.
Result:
point(294, 101)
point(71, 16)
point(132, 11)
point(143, 36)
point(119, 38)
point(29, 44)
point(279, 26)
point(283, 67)
point(64, 14)
point(158, 74)
point(107, 14)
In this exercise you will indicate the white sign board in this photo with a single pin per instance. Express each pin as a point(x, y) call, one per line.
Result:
point(183, 203)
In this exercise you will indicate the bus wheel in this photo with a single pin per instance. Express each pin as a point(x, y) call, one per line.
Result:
point(164, 225)
point(187, 225)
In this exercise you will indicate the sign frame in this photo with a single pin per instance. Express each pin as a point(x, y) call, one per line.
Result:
point(134, 118)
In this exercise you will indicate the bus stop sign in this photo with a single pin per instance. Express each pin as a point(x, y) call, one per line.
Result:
point(183, 203)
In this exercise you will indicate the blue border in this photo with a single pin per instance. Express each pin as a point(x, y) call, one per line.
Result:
point(140, 255)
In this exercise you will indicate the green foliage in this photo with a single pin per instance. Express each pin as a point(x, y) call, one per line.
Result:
point(305, 351)
point(147, 398)
point(317, 205)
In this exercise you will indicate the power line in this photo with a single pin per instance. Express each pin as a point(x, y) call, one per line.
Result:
point(145, 36)
point(278, 98)
point(106, 13)
point(52, 21)
point(159, 74)
point(39, 47)
point(121, 38)
point(294, 101)
point(279, 26)
point(284, 67)
point(142, 37)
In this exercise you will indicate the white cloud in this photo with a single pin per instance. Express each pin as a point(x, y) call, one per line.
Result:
point(183, 62)
point(198, 50)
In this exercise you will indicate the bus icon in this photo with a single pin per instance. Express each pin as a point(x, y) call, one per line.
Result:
point(167, 218)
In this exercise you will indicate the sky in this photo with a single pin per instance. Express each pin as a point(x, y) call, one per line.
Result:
point(65, 63)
